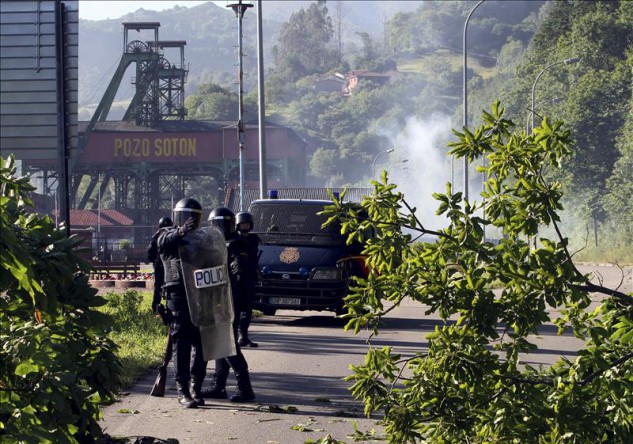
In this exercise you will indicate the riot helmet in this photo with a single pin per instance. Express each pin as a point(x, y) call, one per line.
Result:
point(224, 219)
point(186, 208)
point(165, 222)
point(244, 218)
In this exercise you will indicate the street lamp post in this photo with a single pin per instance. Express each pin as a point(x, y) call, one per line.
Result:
point(392, 164)
point(529, 115)
point(239, 9)
point(464, 85)
point(566, 62)
point(99, 208)
point(263, 172)
point(373, 165)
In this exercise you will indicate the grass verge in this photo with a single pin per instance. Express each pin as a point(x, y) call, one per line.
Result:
point(140, 336)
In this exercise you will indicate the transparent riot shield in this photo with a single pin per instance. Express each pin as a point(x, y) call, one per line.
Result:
point(203, 257)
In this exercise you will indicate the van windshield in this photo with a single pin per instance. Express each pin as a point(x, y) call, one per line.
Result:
point(294, 223)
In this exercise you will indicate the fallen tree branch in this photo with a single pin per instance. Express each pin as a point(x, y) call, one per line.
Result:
point(597, 373)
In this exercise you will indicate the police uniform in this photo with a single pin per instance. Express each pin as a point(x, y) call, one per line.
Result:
point(224, 219)
point(243, 258)
point(157, 263)
point(185, 336)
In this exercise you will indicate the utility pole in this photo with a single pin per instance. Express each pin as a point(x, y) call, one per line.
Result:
point(465, 89)
point(239, 8)
point(263, 174)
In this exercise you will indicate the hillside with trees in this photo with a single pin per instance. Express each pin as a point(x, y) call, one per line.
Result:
point(552, 184)
point(593, 97)
point(211, 34)
point(510, 44)
point(418, 49)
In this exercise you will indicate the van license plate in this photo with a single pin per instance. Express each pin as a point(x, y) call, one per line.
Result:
point(284, 301)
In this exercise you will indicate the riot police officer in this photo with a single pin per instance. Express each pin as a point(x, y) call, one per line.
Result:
point(224, 219)
point(246, 273)
point(185, 335)
point(154, 258)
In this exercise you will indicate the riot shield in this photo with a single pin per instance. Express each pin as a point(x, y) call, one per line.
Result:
point(203, 257)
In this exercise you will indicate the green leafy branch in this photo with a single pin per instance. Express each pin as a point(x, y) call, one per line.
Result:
point(472, 384)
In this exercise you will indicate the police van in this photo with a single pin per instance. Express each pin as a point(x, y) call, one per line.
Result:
point(302, 266)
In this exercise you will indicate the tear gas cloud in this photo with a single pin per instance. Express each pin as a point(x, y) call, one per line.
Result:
point(420, 167)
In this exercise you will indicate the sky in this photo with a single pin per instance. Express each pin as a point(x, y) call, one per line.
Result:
point(101, 10)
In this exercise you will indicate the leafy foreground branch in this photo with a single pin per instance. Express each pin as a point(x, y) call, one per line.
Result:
point(471, 386)
point(56, 362)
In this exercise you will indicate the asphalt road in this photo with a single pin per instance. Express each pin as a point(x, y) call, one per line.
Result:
point(297, 376)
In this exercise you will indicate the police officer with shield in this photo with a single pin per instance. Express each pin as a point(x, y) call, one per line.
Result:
point(244, 266)
point(188, 366)
point(224, 220)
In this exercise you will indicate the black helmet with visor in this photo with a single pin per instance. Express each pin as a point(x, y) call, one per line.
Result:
point(186, 208)
point(244, 218)
point(224, 219)
point(165, 222)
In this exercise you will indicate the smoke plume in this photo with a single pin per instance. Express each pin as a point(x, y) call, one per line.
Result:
point(420, 167)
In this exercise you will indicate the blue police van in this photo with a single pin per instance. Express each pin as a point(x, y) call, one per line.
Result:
point(302, 265)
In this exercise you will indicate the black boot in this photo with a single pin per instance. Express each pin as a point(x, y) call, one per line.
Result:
point(184, 397)
point(217, 389)
point(196, 392)
point(244, 341)
point(244, 388)
point(242, 329)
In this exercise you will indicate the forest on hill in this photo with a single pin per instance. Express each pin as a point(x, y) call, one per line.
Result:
point(211, 34)
point(416, 96)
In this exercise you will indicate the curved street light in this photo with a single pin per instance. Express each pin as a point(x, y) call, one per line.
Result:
point(540, 102)
point(465, 116)
point(560, 62)
point(391, 165)
point(566, 62)
point(373, 165)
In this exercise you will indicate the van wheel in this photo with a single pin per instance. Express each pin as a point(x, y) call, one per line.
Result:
point(269, 311)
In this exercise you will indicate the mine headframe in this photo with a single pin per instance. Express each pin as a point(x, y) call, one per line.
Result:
point(159, 95)
point(159, 84)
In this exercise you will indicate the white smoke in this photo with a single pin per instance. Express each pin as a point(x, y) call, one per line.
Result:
point(419, 166)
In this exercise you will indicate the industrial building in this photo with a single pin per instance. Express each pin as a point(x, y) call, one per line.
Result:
point(148, 160)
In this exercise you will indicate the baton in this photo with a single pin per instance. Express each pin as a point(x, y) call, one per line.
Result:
point(159, 385)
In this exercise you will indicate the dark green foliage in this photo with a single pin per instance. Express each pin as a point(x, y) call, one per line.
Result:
point(214, 102)
point(618, 202)
point(439, 25)
point(302, 47)
point(593, 97)
point(600, 85)
point(474, 383)
point(57, 364)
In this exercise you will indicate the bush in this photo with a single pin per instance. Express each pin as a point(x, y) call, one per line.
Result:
point(56, 362)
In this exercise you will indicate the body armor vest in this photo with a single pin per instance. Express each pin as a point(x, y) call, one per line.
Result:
point(172, 271)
